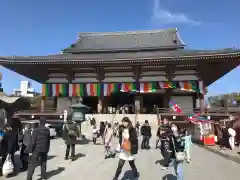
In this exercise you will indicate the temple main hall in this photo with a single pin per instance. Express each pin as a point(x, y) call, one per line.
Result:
point(137, 70)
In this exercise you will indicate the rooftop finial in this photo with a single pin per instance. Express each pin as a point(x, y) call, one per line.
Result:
point(13, 56)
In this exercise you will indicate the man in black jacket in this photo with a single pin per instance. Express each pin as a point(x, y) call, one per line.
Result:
point(146, 135)
point(39, 148)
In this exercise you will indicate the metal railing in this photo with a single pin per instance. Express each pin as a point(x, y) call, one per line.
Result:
point(206, 111)
point(39, 110)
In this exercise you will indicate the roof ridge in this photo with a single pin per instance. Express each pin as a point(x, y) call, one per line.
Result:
point(125, 32)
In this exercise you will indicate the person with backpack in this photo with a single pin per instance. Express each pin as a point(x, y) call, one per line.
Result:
point(70, 135)
point(146, 135)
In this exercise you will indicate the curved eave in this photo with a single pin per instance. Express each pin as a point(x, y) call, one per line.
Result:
point(179, 38)
point(12, 100)
point(109, 58)
point(79, 51)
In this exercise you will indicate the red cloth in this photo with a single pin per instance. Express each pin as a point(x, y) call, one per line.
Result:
point(209, 140)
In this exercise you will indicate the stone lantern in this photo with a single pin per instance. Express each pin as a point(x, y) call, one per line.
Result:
point(78, 113)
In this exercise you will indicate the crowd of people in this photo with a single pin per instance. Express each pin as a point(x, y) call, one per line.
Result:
point(35, 143)
point(227, 136)
point(120, 138)
point(175, 143)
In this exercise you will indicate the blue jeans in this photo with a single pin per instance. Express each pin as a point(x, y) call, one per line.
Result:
point(178, 169)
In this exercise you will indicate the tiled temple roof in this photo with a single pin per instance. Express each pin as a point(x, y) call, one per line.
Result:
point(134, 40)
point(160, 45)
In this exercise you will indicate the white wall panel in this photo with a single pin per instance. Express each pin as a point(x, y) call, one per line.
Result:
point(184, 102)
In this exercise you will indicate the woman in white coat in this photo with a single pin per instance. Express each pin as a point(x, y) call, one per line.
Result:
point(108, 141)
point(231, 140)
point(129, 147)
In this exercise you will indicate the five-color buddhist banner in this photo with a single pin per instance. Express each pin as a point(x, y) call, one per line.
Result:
point(106, 89)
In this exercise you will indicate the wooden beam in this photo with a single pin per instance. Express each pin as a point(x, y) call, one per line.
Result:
point(136, 72)
point(210, 72)
point(100, 73)
point(185, 74)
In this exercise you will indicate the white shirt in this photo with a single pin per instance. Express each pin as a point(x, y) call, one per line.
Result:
point(231, 132)
point(125, 155)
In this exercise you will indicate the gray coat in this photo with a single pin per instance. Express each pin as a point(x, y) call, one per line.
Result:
point(70, 126)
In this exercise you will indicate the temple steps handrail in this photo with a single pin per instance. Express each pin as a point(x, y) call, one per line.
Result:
point(197, 110)
point(37, 110)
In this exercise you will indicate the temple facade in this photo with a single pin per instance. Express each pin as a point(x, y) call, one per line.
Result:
point(139, 70)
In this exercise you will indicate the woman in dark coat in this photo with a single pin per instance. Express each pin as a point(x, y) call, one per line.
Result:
point(120, 130)
point(176, 145)
point(102, 130)
point(218, 133)
point(129, 147)
point(9, 144)
point(225, 139)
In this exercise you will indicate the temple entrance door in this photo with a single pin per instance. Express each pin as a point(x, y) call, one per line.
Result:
point(149, 100)
point(121, 99)
point(92, 102)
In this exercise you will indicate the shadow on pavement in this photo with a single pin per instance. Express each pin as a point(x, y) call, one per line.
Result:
point(54, 172)
point(19, 164)
point(169, 177)
point(128, 175)
point(79, 155)
point(48, 158)
point(161, 162)
point(83, 141)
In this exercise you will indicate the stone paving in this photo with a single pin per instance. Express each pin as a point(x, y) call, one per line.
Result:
point(233, 155)
point(91, 165)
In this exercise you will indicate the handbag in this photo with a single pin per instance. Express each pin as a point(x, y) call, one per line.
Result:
point(126, 145)
point(180, 156)
point(8, 167)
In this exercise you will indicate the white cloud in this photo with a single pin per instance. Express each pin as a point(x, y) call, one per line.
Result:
point(161, 14)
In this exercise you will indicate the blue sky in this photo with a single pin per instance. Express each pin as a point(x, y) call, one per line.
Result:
point(44, 27)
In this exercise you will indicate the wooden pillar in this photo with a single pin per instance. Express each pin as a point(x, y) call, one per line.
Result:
point(201, 102)
point(100, 105)
point(42, 101)
point(69, 78)
point(138, 102)
point(44, 78)
point(137, 99)
point(194, 101)
point(42, 104)
point(100, 77)
point(169, 77)
point(201, 95)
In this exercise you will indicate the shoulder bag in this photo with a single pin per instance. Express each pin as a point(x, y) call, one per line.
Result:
point(71, 131)
point(126, 145)
point(180, 156)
